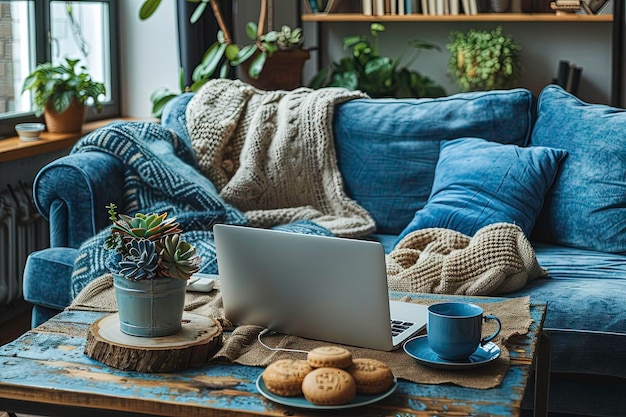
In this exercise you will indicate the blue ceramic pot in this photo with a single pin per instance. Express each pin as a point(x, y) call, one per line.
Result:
point(150, 307)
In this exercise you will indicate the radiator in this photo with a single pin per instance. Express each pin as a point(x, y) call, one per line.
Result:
point(22, 231)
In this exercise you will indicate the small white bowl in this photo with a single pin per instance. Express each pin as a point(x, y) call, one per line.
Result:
point(29, 131)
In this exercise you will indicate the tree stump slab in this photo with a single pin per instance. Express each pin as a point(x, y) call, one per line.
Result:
point(197, 342)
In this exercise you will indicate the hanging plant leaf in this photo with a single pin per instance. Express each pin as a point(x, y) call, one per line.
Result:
point(148, 8)
point(257, 64)
point(197, 13)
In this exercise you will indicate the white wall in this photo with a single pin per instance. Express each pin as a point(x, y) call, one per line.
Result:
point(543, 44)
point(148, 55)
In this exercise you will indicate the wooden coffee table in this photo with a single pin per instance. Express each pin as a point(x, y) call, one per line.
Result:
point(45, 372)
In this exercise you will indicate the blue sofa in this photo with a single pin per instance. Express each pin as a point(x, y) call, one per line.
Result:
point(571, 205)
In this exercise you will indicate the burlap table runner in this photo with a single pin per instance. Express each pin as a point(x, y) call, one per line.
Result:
point(241, 345)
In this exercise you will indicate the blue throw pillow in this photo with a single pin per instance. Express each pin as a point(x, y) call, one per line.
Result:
point(387, 149)
point(478, 183)
point(586, 207)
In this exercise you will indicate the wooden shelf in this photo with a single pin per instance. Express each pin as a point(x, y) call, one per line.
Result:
point(481, 17)
point(13, 148)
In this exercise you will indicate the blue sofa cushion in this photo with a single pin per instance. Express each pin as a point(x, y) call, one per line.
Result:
point(478, 183)
point(585, 323)
point(586, 207)
point(52, 262)
point(387, 149)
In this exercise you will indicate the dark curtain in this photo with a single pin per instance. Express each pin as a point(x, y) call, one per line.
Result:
point(194, 39)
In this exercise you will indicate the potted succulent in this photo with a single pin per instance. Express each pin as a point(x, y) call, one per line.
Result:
point(484, 60)
point(377, 75)
point(271, 59)
point(60, 92)
point(151, 264)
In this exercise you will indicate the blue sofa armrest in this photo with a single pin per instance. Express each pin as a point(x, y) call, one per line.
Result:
point(72, 193)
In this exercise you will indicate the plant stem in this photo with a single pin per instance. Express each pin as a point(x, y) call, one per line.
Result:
point(262, 19)
point(220, 21)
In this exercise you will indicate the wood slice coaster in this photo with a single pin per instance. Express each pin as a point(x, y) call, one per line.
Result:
point(197, 342)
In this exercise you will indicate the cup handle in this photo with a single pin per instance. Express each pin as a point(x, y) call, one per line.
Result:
point(487, 339)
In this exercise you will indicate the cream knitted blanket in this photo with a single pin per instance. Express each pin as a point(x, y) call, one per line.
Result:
point(498, 259)
point(271, 154)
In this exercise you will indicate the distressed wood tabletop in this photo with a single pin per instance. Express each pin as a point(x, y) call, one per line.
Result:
point(46, 372)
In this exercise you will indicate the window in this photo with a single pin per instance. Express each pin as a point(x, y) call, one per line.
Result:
point(35, 31)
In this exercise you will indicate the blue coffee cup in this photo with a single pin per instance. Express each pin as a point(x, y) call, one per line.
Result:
point(455, 329)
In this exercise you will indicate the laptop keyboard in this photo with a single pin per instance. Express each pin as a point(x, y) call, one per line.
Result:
point(398, 326)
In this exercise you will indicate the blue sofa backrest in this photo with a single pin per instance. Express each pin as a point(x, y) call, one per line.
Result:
point(387, 149)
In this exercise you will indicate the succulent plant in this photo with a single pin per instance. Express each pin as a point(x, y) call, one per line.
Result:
point(150, 245)
point(140, 261)
point(146, 226)
point(177, 258)
point(290, 38)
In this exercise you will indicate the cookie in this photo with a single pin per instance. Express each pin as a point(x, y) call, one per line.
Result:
point(285, 376)
point(328, 386)
point(329, 357)
point(370, 375)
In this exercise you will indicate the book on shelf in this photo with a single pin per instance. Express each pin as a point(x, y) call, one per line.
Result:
point(454, 7)
point(401, 10)
point(306, 7)
point(600, 6)
point(378, 7)
point(366, 7)
point(321, 6)
point(473, 7)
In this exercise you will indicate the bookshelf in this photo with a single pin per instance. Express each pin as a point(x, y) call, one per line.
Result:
point(617, 21)
point(481, 17)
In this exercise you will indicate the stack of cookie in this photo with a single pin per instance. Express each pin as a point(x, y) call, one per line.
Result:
point(329, 376)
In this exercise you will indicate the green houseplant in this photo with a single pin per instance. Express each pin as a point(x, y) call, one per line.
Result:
point(271, 59)
point(377, 75)
point(60, 92)
point(484, 60)
point(151, 264)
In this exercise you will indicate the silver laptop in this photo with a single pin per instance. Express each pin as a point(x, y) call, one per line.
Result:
point(323, 288)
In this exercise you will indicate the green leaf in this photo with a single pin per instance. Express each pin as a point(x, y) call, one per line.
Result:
point(420, 44)
point(148, 8)
point(251, 30)
point(197, 13)
point(232, 51)
point(319, 80)
point(244, 54)
point(224, 70)
point(257, 64)
point(350, 41)
point(210, 61)
point(198, 84)
point(376, 27)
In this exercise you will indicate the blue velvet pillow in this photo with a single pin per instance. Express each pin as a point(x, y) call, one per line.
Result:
point(387, 149)
point(478, 183)
point(586, 207)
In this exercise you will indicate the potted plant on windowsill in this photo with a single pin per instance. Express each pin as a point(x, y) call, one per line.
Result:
point(272, 59)
point(60, 92)
point(151, 264)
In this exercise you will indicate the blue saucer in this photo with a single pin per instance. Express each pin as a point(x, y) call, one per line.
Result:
point(418, 348)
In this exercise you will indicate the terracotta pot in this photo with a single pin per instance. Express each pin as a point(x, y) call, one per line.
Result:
point(150, 307)
point(282, 71)
point(71, 120)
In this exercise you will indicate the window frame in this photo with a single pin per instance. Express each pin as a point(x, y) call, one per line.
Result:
point(43, 53)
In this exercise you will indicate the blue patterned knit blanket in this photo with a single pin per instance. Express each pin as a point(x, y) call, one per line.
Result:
point(160, 176)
